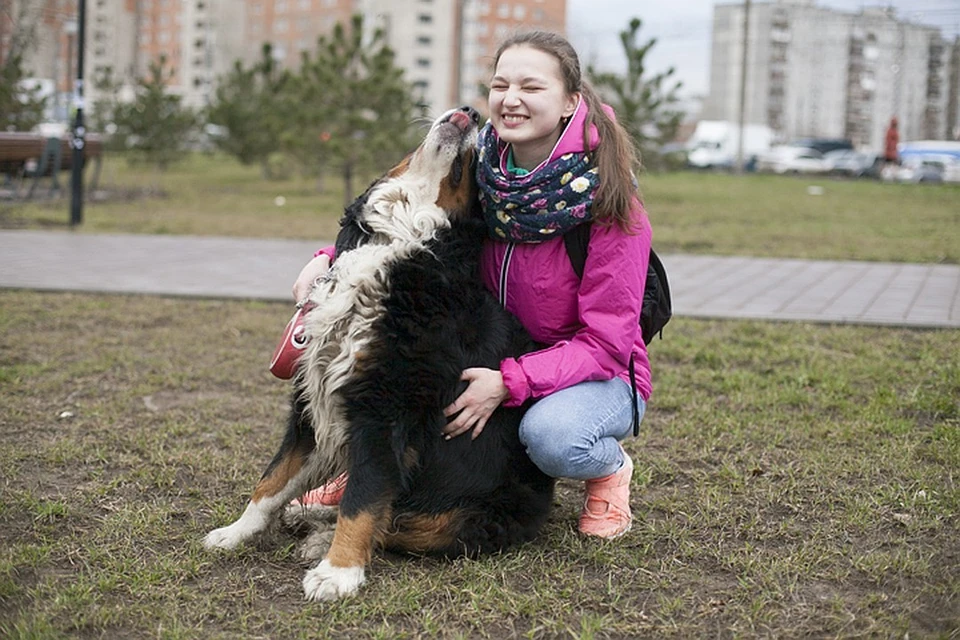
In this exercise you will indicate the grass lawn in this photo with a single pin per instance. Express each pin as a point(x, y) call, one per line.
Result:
point(791, 480)
point(755, 215)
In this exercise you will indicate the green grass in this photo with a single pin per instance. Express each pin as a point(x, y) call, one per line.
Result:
point(705, 213)
point(792, 480)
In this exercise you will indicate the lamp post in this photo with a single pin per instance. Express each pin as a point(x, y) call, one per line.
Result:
point(70, 29)
point(79, 132)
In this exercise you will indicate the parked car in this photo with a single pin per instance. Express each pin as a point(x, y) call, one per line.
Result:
point(823, 145)
point(923, 160)
point(852, 164)
point(791, 159)
point(932, 167)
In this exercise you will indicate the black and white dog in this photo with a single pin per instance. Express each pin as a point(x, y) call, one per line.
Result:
point(401, 314)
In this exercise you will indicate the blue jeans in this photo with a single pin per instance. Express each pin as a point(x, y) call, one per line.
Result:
point(574, 433)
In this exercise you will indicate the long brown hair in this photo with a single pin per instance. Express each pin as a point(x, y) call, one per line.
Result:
point(615, 156)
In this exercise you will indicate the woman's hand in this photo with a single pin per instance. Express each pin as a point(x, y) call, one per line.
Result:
point(484, 393)
point(313, 270)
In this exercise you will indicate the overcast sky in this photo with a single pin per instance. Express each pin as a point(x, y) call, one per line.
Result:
point(683, 29)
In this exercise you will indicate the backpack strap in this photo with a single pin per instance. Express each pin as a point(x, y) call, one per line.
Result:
point(576, 241)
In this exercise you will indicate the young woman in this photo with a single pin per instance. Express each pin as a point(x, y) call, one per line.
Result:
point(553, 157)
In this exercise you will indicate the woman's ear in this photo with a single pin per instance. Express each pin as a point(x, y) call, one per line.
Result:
point(570, 108)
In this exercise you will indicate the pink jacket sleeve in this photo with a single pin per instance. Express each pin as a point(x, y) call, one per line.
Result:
point(610, 298)
point(330, 251)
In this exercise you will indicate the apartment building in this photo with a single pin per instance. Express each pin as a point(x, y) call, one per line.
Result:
point(44, 32)
point(444, 46)
point(483, 25)
point(815, 71)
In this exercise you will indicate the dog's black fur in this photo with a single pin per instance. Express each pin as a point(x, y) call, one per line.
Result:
point(438, 321)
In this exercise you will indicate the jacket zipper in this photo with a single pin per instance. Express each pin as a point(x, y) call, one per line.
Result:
point(504, 268)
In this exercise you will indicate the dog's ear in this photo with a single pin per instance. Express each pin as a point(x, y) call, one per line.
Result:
point(353, 231)
point(456, 172)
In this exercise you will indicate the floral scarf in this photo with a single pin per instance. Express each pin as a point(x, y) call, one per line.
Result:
point(537, 206)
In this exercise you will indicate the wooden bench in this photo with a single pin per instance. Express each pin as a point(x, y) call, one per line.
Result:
point(28, 155)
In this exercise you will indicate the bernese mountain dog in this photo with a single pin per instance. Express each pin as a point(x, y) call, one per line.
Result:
point(399, 316)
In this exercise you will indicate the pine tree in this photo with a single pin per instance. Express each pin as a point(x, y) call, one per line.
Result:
point(21, 107)
point(248, 105)
point(155, 127)
point(349, 107)
point(646, 107)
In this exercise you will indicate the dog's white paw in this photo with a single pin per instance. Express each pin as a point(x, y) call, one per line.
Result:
point(326, 582)
point(253, 521)
point(225, 538)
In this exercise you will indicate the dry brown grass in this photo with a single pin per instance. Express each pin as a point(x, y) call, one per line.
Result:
point(791, 480)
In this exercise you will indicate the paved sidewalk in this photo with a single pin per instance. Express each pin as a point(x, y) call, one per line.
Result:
point(702, 286)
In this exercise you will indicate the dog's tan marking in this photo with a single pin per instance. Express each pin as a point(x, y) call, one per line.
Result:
point(457, 199)
point(423, 532)
point(411, 458)
point(401, 168)
point(278, 478)
point(355, 539)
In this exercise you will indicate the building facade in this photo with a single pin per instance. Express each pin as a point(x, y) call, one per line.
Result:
point(814, 71)
point(44, 33)
point(444, 46)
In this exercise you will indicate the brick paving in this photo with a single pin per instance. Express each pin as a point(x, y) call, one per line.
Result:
point(914, 295)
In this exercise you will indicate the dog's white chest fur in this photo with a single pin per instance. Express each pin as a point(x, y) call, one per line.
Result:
point(350, 301)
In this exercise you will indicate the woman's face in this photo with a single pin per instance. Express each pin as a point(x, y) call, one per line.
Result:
point(527, 101)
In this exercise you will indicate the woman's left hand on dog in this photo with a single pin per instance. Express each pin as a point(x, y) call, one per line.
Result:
point(484, 393)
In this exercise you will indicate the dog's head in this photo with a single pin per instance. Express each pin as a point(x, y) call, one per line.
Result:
point(427, 191)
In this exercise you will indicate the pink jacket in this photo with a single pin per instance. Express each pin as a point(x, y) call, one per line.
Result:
point(590, 323)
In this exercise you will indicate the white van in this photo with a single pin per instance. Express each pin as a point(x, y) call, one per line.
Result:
point(714, 143)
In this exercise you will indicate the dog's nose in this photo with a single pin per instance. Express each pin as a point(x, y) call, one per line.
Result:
point(473, 113)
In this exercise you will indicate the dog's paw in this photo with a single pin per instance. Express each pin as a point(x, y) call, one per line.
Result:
point(316, 545)
point(225, 537)
point(296, 517)
point(326, 582)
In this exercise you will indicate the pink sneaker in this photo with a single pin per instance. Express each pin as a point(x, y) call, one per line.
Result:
point(606, 506)
point(329, 495)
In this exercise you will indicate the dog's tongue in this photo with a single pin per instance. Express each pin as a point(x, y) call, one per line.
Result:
point(460, 119)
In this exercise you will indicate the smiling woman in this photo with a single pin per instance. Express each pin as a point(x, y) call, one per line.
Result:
point(552, 159)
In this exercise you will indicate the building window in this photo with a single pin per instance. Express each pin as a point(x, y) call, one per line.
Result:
point(503, 10)
point(423, 63)
point(519, 12)
point(425, 18)
point(424, 40)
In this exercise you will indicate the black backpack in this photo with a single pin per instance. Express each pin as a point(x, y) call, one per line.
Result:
point(656, 310)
